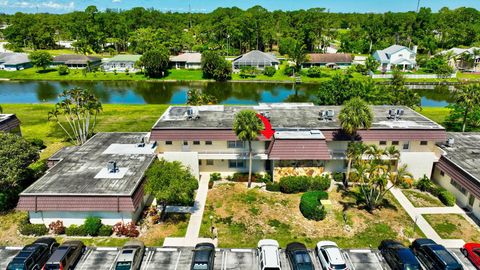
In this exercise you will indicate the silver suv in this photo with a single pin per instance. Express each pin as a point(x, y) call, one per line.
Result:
point(131, 256)
point(269, 254)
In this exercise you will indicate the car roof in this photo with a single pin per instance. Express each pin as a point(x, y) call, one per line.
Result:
point(72, 243)
point(268, 242)
point(59, 254)
point(334, 254)
point(407, 256)
point(126, 254)
point(296, 246)
point(45, 240)
point(424, 241)
point(270, 255)
point(202, 255)
point(443, 254)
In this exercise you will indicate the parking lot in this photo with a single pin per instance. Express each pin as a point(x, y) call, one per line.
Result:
point(225, 259)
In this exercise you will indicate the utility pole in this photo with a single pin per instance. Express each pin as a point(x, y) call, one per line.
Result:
point(190, 14)
point(418, 5)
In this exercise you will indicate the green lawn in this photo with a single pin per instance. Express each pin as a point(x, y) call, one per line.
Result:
point(437, 114)
point(453, 226)
point(422, 199)
point(468, 76)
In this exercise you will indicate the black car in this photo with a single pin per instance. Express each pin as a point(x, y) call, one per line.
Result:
point(398, 256)
point(299, 257)
point(203, 257)
point(65, 256)
point(434, 256)
point(33, 256)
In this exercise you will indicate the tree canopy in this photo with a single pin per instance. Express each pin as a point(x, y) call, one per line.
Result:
point(155, 62)
point(40, 59)
point(214, 66)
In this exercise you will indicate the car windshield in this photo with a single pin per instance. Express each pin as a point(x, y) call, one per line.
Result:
point(339, 266)
point(15, 266)
point(52, 266)
point(302, 258)
point(200, 266)
point(123, 266)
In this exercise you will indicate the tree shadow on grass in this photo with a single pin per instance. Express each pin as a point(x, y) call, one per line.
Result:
point(44, 71)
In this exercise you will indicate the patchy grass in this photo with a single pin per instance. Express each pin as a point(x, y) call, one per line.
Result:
point(468, 76)
point(453, 226)
point(243, 217)
point(422, 199)
point(174, 226)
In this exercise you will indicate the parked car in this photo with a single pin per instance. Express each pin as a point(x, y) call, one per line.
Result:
point(330, 256)
point(434, 256)
point(131, 256)
point(269, 254)
point(398, 256)
point(472, 252)
point(203, 257)
point(33, 256)
point(298, 256)
point(65, 256)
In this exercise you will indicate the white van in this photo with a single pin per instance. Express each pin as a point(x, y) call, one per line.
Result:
point(269, 254)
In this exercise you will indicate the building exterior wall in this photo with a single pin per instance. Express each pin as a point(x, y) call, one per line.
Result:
point(203, 147)
point(78, 218)
point(120, 66)
point(222, 166)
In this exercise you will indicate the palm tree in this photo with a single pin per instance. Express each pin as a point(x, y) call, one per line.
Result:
point(354, 153)
point(467, 96)
point(354, 115)
point(247, 127)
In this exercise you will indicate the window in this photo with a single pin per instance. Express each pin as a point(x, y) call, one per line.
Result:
point(394, 142)
point(383, 142)
point(185, 142)
point(236, 164)
point(423, 142)
point(209, 162)
point(199, 162)
point(442, 173)
point(458, 186)
point(168, 142)
point(196, 142)
point(208, 142)
point(235, 144)
point(406, 145)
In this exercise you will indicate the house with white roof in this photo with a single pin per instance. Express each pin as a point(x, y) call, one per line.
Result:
point(14, 61)
point(188, 60)
point(396, 56)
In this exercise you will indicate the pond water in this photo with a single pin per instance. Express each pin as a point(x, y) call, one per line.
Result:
point(141, 92)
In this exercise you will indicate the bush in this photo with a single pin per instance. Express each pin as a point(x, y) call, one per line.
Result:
point(105, 230)
point(314, 72)
point(38, 143)
point(56, 227)
point(74, 230)
point(320, 182)
point(243, 177)
point(215, 176)
point(122, 229)
point(338, 176)
point(92, 225)
point(269, 71)
point(311, 207)
point(446, 197)
point(289, 71)
point(33, 229)
point(275, 187)
point(248, 72)
point(424, 184)
point(267, 178)
point(294, 184)
point(63, 70)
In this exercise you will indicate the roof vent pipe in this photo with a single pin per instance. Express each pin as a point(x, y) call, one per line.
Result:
point(450, 142)
point(112, 167)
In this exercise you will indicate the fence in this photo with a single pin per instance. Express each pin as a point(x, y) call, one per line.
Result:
point(415, 76)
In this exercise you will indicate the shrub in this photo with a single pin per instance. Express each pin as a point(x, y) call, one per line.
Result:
point(56, 227)
point(38, 143)
point(269, 71)
point(424, 184)
point(289, 71)
point(33, 229)
point(314, 72)
point(275, 187)
point(320, 182)
point(248, 72)
point(63, 70)
point(311, 207)
point(294, 184)
point(267, 178)
point(338, 176)
point(74, 230)
point(215, 176)
point(92, 225)
point(446, 197)
point(243, 177)
point(105, 230)
point(122, 229)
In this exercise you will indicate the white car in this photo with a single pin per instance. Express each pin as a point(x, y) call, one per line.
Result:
point(330, 256)
point(269, 254)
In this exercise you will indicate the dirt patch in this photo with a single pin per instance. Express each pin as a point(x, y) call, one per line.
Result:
point(453, 226)
point(422, 199)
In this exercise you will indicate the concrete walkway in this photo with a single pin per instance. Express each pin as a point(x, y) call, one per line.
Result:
point(193, 229)
point(422, 224)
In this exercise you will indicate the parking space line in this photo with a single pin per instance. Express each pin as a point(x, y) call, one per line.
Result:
point(360, 251)
point(149, 259)
point(85, 258)
point(167, 249)
point(107, 249)
point(114, 260)
point(13, 248)
point(350, 260)
point(379, 260)
point(178, 259)
point(460, 261)
point(244, 250)
point(225, 261)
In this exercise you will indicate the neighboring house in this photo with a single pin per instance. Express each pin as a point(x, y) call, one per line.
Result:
point(2, 47)
point(304, 143)
point(82, 182)
point(396, 56)
point(256, 59)
point(76, 60)
point(188, 60)
point(10, 123)
point(67, 44)
point(458, 169)
point(14, 61)
point(334, 60)
point(121, 63)
point(463, 59)
point(359, 60)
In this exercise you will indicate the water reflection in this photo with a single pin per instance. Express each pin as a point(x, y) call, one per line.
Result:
point(134, 92)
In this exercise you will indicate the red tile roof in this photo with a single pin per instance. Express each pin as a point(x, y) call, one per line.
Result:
point(299, 150)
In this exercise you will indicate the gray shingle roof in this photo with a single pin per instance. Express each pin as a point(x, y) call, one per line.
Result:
point(75, 59)
point(465, 152)
point(14, 58)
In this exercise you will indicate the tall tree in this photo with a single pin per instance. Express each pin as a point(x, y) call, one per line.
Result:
point(214, 66)
point(74, 113)
point(247, 127)
point(155, 63)
point(354, 153)
point(41, 59)
point(355, 114)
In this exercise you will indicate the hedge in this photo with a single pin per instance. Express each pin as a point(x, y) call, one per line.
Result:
point(320, 182)
point(33, 229)
point(105, 230)
point(446, 197)
point(275, 187)
point(311, 207)
point(74, 230)
point(92, 225)
point(294, 184)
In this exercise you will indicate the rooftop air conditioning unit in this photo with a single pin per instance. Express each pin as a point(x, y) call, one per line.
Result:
point(141, 143)
point(450, 142)
point(112, 167)
point(192, 113)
